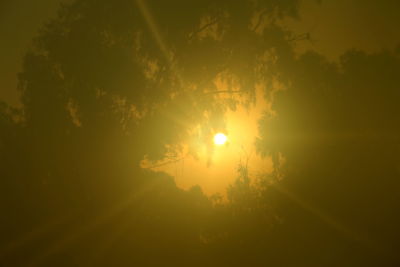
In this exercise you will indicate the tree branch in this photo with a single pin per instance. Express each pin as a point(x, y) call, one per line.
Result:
point(259, 20)
point(203, 28)
point(225, 92)
point(165, 163)
point(301, 37)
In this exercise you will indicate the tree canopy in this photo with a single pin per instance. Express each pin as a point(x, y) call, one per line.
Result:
point(110, 83)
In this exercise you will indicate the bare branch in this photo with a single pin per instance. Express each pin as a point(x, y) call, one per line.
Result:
point(301, 37)
point(225, 92)
point(203, 28)
point(166, 163)
point(260, 17)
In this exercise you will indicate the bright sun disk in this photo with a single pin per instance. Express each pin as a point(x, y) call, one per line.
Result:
point(220, 139)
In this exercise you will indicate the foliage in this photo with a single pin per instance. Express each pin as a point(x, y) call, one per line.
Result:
point(109, 83)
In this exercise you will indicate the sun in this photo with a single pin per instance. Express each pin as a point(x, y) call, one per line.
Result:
point(220, 139)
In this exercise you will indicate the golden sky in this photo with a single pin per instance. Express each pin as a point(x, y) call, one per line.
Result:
point(216, 171)
point(109, 158)
point(335, 26)
point(339, 25)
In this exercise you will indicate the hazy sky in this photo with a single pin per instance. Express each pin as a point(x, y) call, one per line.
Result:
point(310, 174)
point(216, 173)
point(339, 25)
point(335, 25)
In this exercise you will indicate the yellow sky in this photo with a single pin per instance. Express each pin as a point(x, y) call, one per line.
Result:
point(215, 175)
point(339, 25)
point(335, 25)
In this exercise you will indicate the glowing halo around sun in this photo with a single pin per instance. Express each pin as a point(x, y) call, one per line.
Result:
point(220, 139)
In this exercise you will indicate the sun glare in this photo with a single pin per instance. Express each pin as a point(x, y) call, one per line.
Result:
point(220, 139)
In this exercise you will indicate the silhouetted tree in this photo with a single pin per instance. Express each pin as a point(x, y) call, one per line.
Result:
point(337, 126)
point(105, 85)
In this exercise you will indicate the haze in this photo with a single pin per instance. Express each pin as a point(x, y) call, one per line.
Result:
point(199, 133)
